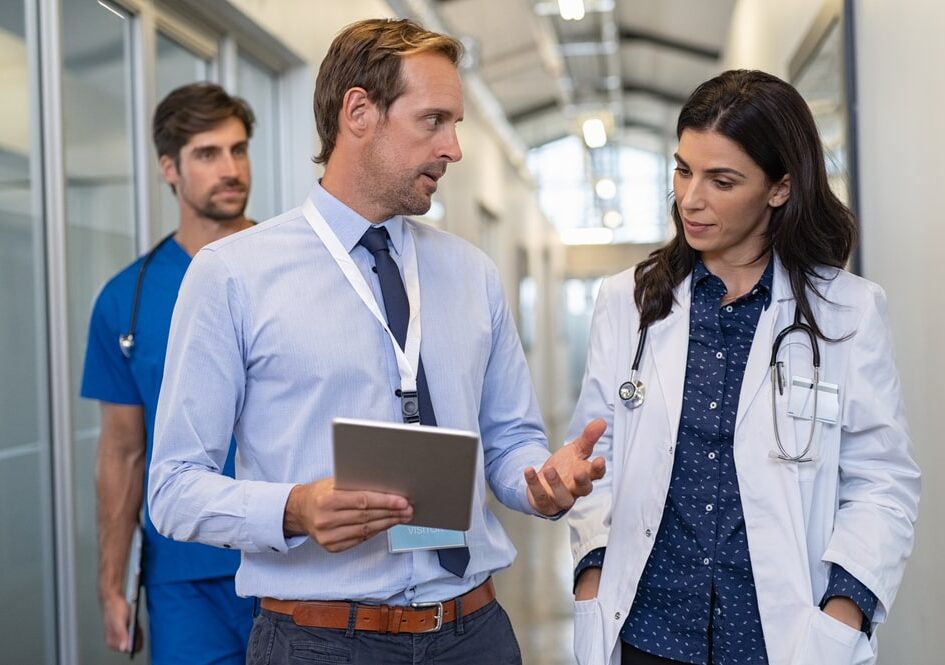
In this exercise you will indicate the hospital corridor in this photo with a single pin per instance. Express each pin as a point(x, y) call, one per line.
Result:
point(680, 271)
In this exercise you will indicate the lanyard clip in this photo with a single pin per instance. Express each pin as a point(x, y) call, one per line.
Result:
point(410, 406)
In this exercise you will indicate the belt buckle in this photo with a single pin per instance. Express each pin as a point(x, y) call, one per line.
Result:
point(438, 616)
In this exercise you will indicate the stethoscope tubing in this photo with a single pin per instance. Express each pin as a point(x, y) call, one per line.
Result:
point(632, 392)
point(126, 342)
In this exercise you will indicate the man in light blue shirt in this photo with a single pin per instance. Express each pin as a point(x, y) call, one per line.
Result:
point(271, 340)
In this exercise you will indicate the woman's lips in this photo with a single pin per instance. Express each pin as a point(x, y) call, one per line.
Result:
point(695, 227)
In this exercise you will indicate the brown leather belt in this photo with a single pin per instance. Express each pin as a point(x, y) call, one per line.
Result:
point(416, 618)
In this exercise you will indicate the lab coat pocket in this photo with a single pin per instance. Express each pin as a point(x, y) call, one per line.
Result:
point(588, 633)
point(831, 642)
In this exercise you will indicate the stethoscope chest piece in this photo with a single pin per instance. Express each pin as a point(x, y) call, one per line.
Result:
point(632, 393)
point(127, 344)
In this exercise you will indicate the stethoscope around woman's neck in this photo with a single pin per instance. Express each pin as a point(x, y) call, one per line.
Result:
point(633, 391)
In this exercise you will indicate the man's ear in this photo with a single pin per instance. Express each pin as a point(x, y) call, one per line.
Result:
point(780, 192)
point(358, 113)
point(169, 170)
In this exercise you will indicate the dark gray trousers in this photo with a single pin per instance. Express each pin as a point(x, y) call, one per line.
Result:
point(485, 636)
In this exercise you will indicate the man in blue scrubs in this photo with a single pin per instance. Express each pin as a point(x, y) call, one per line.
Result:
point(201, 135)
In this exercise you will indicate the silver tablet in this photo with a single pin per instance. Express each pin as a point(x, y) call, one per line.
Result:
point(433, 467)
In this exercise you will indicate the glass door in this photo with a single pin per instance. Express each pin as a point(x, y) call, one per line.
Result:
point(97, 98)
point(28, 625)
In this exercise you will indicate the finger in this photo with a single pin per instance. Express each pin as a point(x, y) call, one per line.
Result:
point(598, 468)
point(342, 518)
point(584, 444)
point(541, 499)
point(347, 537)
point(366, 500)
point(582, 484)
point(562, 497)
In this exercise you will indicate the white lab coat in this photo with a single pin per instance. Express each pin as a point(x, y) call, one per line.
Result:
point(855, 505)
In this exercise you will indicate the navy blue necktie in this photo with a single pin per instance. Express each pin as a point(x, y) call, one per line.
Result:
point(397, 306)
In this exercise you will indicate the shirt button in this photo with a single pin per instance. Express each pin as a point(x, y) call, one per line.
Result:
point(707, 561)
point(729, 308)
point(718, 611)
point(708, 507)
point(719, 355)
point(712, 405)
point(711, 455)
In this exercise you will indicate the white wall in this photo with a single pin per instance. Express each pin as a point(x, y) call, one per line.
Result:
point(900, 52)
point(901, 142)
point(765, 34)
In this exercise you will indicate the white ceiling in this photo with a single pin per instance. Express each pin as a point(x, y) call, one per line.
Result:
point(547, 73)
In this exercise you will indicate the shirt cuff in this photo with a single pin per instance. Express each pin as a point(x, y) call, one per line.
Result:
point(593, 559)
point(265, 512)
point(843, 585)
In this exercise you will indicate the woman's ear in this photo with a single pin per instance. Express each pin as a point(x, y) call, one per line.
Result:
point(780, 192)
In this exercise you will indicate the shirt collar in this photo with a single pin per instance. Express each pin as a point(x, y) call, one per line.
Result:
point(700, 273)
point(349, 226)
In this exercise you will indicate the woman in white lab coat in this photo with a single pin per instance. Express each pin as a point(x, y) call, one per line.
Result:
point(734, 524)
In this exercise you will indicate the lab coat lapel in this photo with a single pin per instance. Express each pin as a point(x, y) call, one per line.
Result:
point(669, 343)
point(759, 357)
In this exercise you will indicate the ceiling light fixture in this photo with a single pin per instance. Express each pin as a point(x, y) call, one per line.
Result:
point(606, 189)
point(595, 134)
point(612, 219)
point(571, 10)
point(587, 235)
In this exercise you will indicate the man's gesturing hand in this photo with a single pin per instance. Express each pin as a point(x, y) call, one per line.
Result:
point(340, 519)
point(567, 474)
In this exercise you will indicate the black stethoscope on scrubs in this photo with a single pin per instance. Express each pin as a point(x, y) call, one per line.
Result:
point(632, 392)
point(126, 342)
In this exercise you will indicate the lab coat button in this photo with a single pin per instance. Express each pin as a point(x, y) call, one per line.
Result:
point(648, 533)
point(617, 616)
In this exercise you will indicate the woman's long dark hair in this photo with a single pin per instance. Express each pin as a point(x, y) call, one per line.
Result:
point(772, 123)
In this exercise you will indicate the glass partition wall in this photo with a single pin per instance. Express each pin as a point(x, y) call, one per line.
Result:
point(27, 625)
point(79, 79)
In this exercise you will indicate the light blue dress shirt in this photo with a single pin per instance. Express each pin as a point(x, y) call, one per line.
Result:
point(270, 342)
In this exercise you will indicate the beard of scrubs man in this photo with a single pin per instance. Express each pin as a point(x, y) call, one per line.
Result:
point(733, 527)
point(201, 135)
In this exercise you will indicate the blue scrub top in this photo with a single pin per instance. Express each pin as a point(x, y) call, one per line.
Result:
point(110, 377)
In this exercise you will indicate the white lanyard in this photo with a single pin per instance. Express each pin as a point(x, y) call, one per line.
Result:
point(409, 357)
